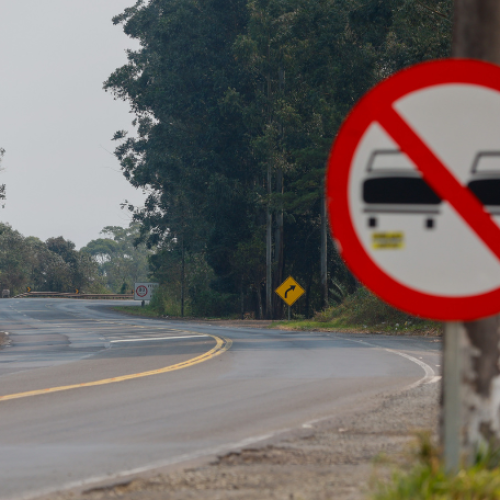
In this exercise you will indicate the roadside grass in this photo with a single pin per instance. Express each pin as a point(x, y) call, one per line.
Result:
point(361, 312)
point(426, 480)
point(365, 312)
point(137, 311)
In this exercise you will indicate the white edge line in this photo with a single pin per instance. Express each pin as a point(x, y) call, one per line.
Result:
point(430, 375)
point(159, 338)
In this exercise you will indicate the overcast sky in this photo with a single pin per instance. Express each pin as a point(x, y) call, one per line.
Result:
point(56, 122)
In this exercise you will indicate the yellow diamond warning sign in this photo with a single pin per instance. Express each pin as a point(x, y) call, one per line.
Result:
point(290, 291)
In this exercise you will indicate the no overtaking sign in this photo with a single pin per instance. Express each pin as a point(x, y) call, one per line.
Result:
point(413, 190)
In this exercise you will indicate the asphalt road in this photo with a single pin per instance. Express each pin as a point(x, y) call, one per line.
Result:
point(87, 393)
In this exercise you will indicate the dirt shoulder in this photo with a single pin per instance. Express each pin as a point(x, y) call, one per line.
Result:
point(335, 459)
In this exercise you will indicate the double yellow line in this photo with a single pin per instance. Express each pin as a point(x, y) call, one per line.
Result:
point(222, 345)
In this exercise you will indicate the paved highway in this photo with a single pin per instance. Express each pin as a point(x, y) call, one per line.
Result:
point(87, 393)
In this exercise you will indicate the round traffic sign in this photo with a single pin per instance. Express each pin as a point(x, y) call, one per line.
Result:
point(413, 188)
point(141, 291)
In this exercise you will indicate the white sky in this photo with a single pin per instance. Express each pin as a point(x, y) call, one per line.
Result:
point(56, 122)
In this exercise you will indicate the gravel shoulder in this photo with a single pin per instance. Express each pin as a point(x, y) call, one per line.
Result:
point(338, 459)
point(4, 339)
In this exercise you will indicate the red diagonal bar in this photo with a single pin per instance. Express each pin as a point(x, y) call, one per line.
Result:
point(442, 181)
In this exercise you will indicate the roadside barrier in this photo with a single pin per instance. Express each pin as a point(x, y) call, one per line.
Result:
point(61, 295)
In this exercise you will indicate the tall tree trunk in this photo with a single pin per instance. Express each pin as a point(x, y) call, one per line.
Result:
point(324, 253)
point(278, 232)
point(269, 216)
point(477, 35)
point(182, 275)
point(242, 301)
point(269, 250)
point(278, 246)
point(259, 301)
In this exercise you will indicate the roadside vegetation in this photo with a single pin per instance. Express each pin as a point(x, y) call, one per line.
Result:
point(427, 480)
point(236, 104)
point(108, 265)
point(363, 311)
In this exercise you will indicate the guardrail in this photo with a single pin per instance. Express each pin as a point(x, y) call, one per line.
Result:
point(61, 295)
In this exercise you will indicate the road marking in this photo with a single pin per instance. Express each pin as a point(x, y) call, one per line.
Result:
point(159, 338)
point(222, 345)
point(430, 375)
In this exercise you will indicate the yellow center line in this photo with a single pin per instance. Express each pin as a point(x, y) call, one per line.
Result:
point(222, 345)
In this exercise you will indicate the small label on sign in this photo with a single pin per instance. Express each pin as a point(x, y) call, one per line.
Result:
point(388, 241)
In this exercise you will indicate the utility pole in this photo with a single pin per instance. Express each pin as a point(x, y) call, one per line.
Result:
point(475, 364)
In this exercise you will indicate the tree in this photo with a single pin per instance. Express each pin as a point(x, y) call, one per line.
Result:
point(237, 104)
point(121, 259)
point(2, 186)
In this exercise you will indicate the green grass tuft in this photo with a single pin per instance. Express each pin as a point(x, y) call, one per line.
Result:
point(428, 481)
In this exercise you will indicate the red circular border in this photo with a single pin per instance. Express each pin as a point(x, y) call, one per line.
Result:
point(142, 287)
point(466, 71)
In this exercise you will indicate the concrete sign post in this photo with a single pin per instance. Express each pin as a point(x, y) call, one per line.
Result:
point(413, 189)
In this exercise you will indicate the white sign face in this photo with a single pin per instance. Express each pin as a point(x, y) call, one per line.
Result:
point(422, 190)
point(144, 291)
point(389, 196)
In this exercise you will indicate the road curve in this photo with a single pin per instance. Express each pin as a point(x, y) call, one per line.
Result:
point(87, 393)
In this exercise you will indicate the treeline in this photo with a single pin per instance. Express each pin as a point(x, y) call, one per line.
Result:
point(237, 103)
point(105, 265)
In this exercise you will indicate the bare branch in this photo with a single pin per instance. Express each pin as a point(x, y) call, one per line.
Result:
point(440, 14)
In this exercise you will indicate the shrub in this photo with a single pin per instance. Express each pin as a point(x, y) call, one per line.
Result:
point(364, 309)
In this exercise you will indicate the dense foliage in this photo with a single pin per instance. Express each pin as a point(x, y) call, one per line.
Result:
point(105, 265)
point(120, 262)
point(237, 103)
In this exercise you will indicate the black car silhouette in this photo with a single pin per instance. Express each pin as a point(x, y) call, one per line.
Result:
point(393, 185)
point(485, 180)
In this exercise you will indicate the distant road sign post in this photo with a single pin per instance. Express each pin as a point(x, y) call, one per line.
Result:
point(413, 189)
point(144, 291)
point(290, 291)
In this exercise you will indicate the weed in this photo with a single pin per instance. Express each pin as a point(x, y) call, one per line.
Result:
point(427, 480)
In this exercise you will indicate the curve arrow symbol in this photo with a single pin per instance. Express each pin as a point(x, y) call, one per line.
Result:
point(291, 289)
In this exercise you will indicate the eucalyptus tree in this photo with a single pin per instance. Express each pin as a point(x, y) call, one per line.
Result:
point(120, 258)
point(237, 103)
